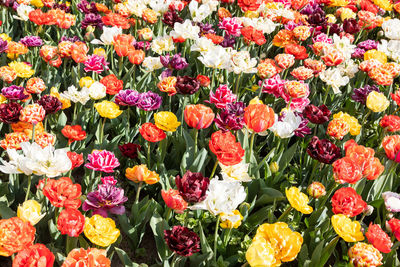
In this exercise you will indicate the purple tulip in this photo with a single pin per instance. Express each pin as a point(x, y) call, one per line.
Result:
point(14, 92)
point(31, 41)
point(127, 97)
point(149, 101)
point(231, 118)
point(107, 199)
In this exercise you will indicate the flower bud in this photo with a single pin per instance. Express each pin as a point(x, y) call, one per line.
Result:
point(274, 167)
point(30, 211)
point(316, 190)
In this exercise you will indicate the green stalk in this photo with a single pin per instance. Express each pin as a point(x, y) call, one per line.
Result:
point(138, 192)
point(102, 131)
point(251, 146)
point(29, 187)
point(213, 170)
point(196, 135)
point(285, 213)
point(216, 238)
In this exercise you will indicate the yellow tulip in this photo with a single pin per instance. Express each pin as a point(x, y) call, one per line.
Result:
point(101, 231)
point(377, 102)
point(166, 121)
point(30, 211)
point(274, 244)
point(347, 229)
point(375, 54)
point(86, 82)
point(298, 200)
point(108, 109)
point(231, 220)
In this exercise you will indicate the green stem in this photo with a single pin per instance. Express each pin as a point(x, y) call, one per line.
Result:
point(326, 95)
point(138, 192)
point(251, 146)
point(29, 187)
point(70, 243)
point(33, 133)
point(237, 84)
point(227, 237)
point(216, 238)
point(102, 130)
point(148, 155)
point(396, 110)
point(214, 169)
point(285, 213)
point(196, 135)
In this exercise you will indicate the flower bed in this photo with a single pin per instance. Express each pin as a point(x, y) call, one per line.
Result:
point(199, 133)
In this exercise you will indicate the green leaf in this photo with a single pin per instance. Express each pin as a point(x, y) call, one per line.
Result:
point(6, 212)
point(158, 225)
point(126, 261)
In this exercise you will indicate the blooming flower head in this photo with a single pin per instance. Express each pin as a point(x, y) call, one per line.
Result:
point(151, 132)
point(108, 109)
point(230, 221)
point(174, 200)
point(102, 160)
point(140, 173)
point(259, 117)
point(346, 201)
point(73, 133)
point(15, 236)
point(224, 146)
point(30, 211)
point(363, 254)
point(378, 238)
point(14, 92)
point(70, 222)
point(392, 201)
point(198, 116)
point(391, 144)
point(298, 200)
point(182, 241)
point(101, 231)
point(107, 198)
point(237, 172)
point(273, 244)
point(22, 70)
point(96, 63)
point(33, 113)
point(377, 102)
point(222, 196)
point(62, 192)
point(83, 256)
point(34, 255)
point(14, 140)
point(37, 160)
point(192, 186)
point(347, 229)
point(222, 96)
point(166, 121)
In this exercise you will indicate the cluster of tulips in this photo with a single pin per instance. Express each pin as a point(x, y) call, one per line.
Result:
point(199, 133)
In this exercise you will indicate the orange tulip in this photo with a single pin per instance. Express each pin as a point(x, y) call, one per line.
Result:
point(123, 44)
point(198, 116)
point(259, 117)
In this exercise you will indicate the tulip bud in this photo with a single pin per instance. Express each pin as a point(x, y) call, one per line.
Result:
point(30, 211)
point(89, 36)
point(316, 190)
point(274, 167)
point(368, 210)
point(174, 200)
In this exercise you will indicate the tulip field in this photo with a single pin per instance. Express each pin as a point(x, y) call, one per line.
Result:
point(210, 133)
